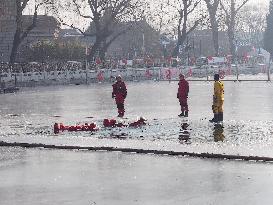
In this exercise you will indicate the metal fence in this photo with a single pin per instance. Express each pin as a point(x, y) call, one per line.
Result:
point(82, 76)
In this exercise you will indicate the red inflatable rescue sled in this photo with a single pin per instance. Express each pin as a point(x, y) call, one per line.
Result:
point(86, 127)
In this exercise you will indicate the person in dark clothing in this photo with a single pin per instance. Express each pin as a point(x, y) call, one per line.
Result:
point(182, 95)
point(119, 93)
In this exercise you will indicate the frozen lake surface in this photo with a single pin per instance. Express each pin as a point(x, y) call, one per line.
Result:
point(28, 116)
point(41, 176)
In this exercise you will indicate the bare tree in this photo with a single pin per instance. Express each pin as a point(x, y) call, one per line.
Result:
point(21, 31)
point(160, 15)
point(108, 20)
point(251, 23)
point(231, 9)
point(213, 6)
point(187, 7)
point(268, 40)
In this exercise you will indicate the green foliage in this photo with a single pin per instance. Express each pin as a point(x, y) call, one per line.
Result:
point(268, 35)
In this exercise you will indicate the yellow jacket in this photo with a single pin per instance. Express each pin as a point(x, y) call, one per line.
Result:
point(218, 91)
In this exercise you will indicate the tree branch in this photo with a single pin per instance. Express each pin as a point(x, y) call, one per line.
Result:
point(196, 23)
point(237, 10)
point(117, 35)
point(223, 7)
point(23, 4)
point(79, 11)
point(78, 29)
point(33, 25)
point(193, 7)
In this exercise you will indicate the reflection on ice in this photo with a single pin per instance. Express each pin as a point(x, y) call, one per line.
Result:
point(218, 133)
point(184, 134)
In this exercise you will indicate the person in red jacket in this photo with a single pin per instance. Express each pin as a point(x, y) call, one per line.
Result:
point(119, 93)
point(182, 95)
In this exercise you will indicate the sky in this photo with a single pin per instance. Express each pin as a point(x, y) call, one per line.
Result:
point(259, 1)
point(251, 2)
point(84, 24)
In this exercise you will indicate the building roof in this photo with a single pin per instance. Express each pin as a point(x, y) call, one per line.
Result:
point(69, 32)
point(47, 26)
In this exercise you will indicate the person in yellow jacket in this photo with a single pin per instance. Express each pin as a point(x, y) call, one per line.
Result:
point(218, 100)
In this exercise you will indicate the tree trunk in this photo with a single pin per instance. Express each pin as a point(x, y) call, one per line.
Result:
point(176, 51)
point(185, 30)
point(215, 36)
point(212, 9)
point(232, 46)
point(102, 55)
point(180, 41)
point(94, 50)
point(231, 30)
point(103, 50)
point(15, 46)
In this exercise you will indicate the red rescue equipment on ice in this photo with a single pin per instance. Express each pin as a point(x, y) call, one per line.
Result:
point(114, 123)
point(138, 123)
point(86, 127)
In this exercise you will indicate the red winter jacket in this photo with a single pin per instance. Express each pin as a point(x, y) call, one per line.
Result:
point(183, 89)
point(119, 92)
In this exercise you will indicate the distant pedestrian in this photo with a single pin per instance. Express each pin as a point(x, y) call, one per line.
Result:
point(119, 93)
point(182, 95)
point(218, 100)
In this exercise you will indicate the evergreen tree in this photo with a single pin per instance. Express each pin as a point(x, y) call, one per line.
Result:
point(268, 34)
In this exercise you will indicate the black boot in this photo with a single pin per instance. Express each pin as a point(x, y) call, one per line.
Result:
point(186, 113)
point(215, 118)
point(221, 117)
point(120, 113)
point(181, 114)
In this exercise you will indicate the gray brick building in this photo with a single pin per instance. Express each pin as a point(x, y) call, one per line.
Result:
point(7, 28)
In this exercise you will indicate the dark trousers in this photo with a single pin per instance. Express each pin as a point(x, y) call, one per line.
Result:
point(121, 109)
point(184, 105)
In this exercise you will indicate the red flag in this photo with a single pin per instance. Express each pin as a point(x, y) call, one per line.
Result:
point(168, 74)
point(148, 74)
point(124, 61)
point(189, 74)
point(210, 58)
point(98, 61)
point(100, 76)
